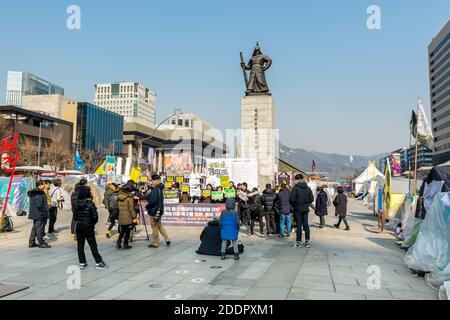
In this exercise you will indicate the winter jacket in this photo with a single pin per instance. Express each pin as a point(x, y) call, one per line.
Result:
point(211, 240)
point(254, 204)
point(322, 204)
point(56, 196)
point(127, 213)
point(283, 201)
point(340, 203)
point(229, 222)
point(301, 197)
point(38, 205)
point(268, 199)
point(108, 192)
point(74, 198)
point(49, 199)
point(243, 198)
point(86, 212)
point(155, 200)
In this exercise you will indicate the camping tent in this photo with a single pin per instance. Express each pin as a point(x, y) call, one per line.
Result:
point(431, 251)
point(362, 182)
point(438, 180)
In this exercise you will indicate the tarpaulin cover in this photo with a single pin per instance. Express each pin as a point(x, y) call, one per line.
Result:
point(18, 200)
point(429, 188)
point(431, 252)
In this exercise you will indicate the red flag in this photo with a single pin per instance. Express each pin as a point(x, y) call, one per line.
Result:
point(313, 166)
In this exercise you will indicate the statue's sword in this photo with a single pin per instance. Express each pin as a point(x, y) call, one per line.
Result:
point(243, 70)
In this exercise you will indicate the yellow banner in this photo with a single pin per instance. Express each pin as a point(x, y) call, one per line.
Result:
point(135, 173)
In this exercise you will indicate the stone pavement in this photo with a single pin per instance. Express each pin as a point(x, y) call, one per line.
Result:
point(335, 267)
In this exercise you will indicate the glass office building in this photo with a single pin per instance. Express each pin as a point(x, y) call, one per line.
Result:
point(24, 83)
point(100, 130)
point(439, 67)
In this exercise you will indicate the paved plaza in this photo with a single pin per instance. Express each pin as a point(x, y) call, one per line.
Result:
point(335, 267)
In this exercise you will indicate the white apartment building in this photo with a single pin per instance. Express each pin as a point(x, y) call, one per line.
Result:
point(131, 99)
point(188, 120)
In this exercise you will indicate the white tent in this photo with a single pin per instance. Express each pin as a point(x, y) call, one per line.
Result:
point(365, 177)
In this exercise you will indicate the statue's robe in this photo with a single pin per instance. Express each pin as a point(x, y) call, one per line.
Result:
point(257, 82)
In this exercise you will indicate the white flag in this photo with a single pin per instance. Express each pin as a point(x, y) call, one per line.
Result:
point(351, 159)
point(424, 133)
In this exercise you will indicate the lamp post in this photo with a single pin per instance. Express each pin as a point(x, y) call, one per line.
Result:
point(114, 145)
point(139, 142)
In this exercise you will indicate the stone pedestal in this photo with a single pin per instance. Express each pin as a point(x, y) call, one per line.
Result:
point(259, 136)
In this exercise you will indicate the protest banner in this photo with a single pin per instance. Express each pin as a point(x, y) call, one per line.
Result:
point(230, 193)
point(225, 182)
point(206, 193)
point(217, 195)
point(191, 214)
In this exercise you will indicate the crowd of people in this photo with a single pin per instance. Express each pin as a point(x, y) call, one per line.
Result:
point(122, 203)
point(278, 211)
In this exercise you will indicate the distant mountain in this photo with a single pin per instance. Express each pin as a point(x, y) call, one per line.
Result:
point(336, 165)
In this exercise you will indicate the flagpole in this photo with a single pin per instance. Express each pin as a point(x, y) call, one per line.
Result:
point(415, 157)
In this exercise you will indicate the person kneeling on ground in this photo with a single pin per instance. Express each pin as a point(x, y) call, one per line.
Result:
point(229, 228)
point(86, 217)
point(211, 240)
point(127, 216)
point(340, 203)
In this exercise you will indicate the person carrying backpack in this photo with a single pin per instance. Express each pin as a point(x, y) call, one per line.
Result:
point(111, 202)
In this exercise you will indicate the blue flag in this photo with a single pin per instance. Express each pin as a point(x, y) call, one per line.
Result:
point(79, 164)
point(405, 158)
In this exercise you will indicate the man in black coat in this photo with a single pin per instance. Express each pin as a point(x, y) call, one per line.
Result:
point(268, 201)
point(155, 209)
point(301, 198)
point(39, 214)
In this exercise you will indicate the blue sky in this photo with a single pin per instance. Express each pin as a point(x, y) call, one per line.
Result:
point(338, 86)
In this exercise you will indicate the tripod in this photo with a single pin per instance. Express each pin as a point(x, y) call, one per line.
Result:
point(142, 219)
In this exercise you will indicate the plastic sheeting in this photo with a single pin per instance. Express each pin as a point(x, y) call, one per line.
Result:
point(18, 200)
point(431, 252)
point(68, 185)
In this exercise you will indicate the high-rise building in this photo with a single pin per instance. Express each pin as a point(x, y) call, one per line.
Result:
point(424, 157)
point(439, 68)
point(21, 84)
point(131, 99)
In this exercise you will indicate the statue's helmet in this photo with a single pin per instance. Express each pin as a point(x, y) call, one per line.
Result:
point(257, 50)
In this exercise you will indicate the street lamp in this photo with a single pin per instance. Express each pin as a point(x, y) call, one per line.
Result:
point(47, 124)
point(139, 142)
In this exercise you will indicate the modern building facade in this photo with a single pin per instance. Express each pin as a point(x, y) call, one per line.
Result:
point(424, 157)
point(21, 84)
point(35, 126)
point(131, 99)
point(439, 69)
point(95, 128)
point(48, 104)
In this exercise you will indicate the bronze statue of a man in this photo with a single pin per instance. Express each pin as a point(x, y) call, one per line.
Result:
point(257, 65)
